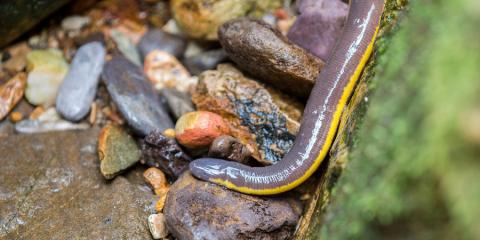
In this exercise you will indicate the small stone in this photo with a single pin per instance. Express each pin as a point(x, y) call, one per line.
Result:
point(164, 70)
point(126, 47)
point(78, 89)
point(318, 26)
point(199, 129)
point(161, 201)
point(205, 60)
point(18, 60)
point(229, 148)
point(201, 210)
point(160, 40)
point(10, 93)
point(156, 223)
point(135, 97)
point(156, 179)
point(75, 23)
point(117, 151)
point(47, 69)
point(178, 102)
point(47, 121)
point(16, 117)
point(36, 112)
point(265, 53)
point(164, 153)
point(170, 133)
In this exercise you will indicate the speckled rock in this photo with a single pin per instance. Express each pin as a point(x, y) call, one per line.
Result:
point(200, 210)
point(134, 96)
point(318, 26)
point(159, 40)
point(265, 53)
point(10, 93)
point(255, 116)
point(78, 89)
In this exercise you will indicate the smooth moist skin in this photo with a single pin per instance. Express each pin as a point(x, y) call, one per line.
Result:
point(321, 117)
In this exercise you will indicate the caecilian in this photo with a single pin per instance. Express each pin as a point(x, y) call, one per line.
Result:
point(321, 117)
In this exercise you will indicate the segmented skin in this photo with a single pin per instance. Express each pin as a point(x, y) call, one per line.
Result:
point(321, 117)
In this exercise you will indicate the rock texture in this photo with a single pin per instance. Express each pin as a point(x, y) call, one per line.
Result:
point(51, 189)
point(10, 93)
point(200, 210)
point(156, 39)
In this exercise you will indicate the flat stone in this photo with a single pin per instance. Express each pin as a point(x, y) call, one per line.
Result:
point(178, 102)
point(262, 51)
point(126, 46)
point(205, 60)
point(78, 89)
point(160, 40)
point(135, 97)
point(156, 223)
point(51, 189)
point(196, 209)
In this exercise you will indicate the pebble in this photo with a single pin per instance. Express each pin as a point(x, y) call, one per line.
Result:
point(156, 223)
point(164, 153)
point(75, 23)
point(16, 117)
point(318, 26)
point(199, 129)
point(169, 133)
point(17, 61)
point(47, 69)
point(161, 201)
point(126, 47)
point(257, 118)
point(134, 96)
point(78, 89)
point(205, 60)
point(117, 151)
point(159, 40)
point(164, 70)
point(47, 121)
point(259, 49)
point(229, 148)
point(201, 210)
point(156, 179)
point(10, 93)
point(36, 112)
point(178, 102)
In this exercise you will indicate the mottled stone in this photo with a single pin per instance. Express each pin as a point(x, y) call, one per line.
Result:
point(117, 151)
point(178, 102)
point(265, 53)
point(205, 60)
point(198, 129)
point(10, 93)
point(158, 228)
point(51, 189)
point(201, 210)
point(229, 148)
point(78, 89)
point(47, 69)
point(318, 26)
point(126, 47)
point(156, 179)
point(134, 96)
point(254, 115)
point(159, 40)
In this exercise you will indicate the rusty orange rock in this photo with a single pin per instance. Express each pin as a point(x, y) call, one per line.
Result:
point(199, 129)
point(11, 92)
point(156, 179)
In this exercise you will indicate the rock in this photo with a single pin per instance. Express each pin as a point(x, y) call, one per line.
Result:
point(18, 60)
point(48, 121)
point(161, 201)
point(50, 179)
point(265, 53)
point(164, 70)
point(134, 96)
point(16, 117)
point(169, 133)
point(318, 26)
point(178, 102)
point(10, 93)
point(199, 129)
point(75, 23)
point(47, 69)
point(126, 47)
point(37, 112)
point(117, 151)
point(205, 60)
point(229, 148)
point(159, 40)
point(78, 89)
point(156, 179)
point(200, 210)
point(156, 223)
point(253, 114)
point(164, 153)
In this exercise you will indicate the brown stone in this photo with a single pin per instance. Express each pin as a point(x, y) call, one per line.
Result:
point(229, 148)
point(11, 92)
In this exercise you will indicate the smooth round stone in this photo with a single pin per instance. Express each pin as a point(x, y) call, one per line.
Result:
point(160, 40)
point(135, 96)
point(78, 89)
point(205, 60)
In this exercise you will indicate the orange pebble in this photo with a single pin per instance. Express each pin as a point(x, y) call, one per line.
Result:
point(170, 133)
point(155, 178)
point(16, 117)
point(199, 129)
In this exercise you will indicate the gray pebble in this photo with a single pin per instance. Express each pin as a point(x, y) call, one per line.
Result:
point(205, 61)
point(178, 102)
point(160, 40)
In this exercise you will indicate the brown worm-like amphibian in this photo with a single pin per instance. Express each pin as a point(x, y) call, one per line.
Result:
point(321, 117)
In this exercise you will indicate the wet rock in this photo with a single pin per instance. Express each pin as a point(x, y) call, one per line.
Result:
point(10, 93)
point(156, 223)
point(318, 26)
point(78, 89)
point(164, 153)
point(75, 23)
point(199, 129)
point(253, 113)
point(164, 70)
point(200, 210)
point(18, 60)
point(156, 179)
point(49, 180)
point(134, 96)
point(47, 69)
point(265, 53)
point(126, 47)
point(47, 121)
point(178, 102)
point(117, 151)
point(159, 40)
point(205, 60)
point(229, 148)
